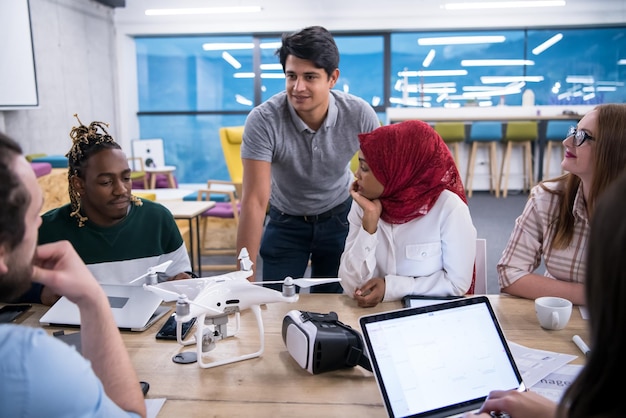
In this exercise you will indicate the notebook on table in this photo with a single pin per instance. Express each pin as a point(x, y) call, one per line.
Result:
point(134, 308)
point(439, 360)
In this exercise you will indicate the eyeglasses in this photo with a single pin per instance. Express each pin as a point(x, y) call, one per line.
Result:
point(579, 136)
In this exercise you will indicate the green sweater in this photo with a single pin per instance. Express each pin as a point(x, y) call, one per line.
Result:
point(147, 236)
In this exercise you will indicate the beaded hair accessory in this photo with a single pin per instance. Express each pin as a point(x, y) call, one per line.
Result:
point(87, 140)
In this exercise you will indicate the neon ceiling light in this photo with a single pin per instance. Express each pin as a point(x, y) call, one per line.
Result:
point(202, 11)
point(547, 44)
point(511, 79)
point(429, 58)
point(494, 63)
point(461, 40)
point(231, 60)
point(579, 79)
point(263, 75)
point(504, 4)
point(431, 73)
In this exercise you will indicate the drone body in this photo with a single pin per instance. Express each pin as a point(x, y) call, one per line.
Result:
point(213, 299)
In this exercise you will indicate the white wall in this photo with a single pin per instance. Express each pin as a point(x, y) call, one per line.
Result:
point(76, 63)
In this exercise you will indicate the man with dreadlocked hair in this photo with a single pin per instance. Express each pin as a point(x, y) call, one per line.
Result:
point(118, 235)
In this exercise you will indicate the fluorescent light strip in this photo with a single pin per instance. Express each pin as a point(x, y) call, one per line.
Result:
point(271, 67)
point(610, 83)
point(429, 58)
point(481, 88)
point(504, 4)
point(494, 63)
point(231, 60)
point(416, 88)
point(431, 73)
point(604, 88)
point(263, 75)
point(622, 61)
point(547, 44)
point(242, 100)
point(510, 79)
point(581, 79)
point(202, 11)
point(461, 40)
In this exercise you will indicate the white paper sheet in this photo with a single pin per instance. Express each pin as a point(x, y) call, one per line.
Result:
point(153, 406)
point(554, 385)
point(534, 364)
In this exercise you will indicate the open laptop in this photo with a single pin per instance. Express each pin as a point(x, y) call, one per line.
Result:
point(439, 360)
point(134, 308)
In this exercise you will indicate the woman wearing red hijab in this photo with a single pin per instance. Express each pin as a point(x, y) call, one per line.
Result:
point(410, 228)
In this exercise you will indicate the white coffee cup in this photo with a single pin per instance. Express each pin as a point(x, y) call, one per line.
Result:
point(553, 312)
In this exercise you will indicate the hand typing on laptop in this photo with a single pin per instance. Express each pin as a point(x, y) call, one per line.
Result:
point(516, 404)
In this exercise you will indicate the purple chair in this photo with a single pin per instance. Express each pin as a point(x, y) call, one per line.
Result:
point(224, 210)
point(41, 169)
point(161, 182)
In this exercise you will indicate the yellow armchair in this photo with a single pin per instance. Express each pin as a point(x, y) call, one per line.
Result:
point(230, 138)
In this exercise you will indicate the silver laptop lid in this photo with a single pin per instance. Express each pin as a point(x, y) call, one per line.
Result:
point(132, 306)
point(439, 360)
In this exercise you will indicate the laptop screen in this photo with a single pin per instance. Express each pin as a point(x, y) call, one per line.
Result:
point(439, 360)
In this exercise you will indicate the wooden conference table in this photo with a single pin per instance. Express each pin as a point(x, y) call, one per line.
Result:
point(274, 385)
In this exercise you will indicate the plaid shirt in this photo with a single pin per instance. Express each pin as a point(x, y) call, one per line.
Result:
point(531, 240)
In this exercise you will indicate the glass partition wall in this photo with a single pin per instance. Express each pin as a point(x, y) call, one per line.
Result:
point(190, 86)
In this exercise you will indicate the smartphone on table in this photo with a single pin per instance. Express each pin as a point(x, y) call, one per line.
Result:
point(168, 330)
point(9, 313)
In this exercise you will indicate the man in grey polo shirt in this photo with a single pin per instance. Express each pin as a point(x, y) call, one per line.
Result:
point(296, 152)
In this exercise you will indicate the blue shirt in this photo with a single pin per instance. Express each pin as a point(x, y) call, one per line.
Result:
point(42, 376)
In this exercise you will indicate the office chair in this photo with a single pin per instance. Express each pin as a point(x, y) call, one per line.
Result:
point(555, 134)
point(453, 134)
point(230, 138)
point(138, 172)
point(484, 134)
point(224, 217)
point(520, 134)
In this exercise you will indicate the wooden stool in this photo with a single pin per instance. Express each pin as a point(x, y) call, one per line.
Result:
point(522, 134)
point(168, 170)
point(555, 132)
point(488, 134)
point(452, 133)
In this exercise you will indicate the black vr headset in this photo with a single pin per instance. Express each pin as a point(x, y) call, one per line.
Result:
point(321, 343)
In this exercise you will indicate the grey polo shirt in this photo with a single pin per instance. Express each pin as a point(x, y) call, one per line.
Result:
point(310, 169)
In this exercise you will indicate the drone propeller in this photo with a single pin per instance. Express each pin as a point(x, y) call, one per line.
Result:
point(303, 282)
point(166, 295)
point(170, 296)
point(160, 268)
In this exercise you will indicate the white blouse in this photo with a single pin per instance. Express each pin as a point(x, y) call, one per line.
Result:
point(432, 255)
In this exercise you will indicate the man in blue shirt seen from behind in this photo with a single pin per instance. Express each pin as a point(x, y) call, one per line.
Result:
point(41, 375)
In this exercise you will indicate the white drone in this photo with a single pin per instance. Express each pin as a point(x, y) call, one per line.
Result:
point(213, 299)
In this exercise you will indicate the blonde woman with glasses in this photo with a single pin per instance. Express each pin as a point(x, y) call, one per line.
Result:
point(554, 227)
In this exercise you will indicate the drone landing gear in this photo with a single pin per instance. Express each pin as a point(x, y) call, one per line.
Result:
point(185, 357)
point(203, 348)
